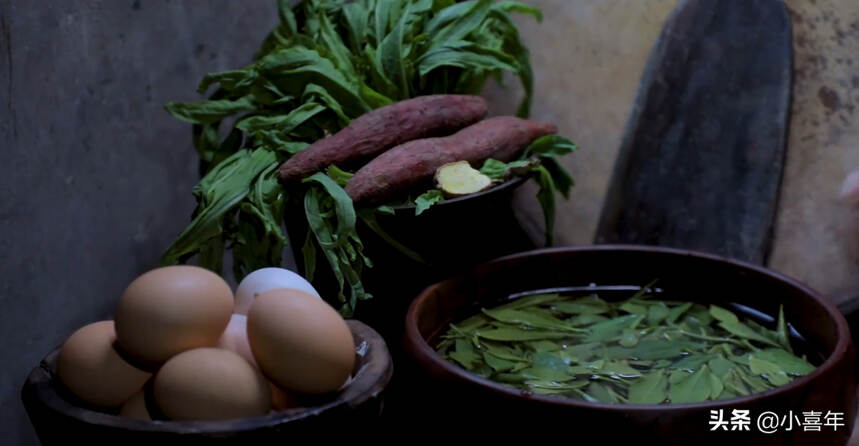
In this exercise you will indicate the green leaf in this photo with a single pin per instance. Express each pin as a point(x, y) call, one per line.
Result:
point(546, 197)
point(282, 123)
point(657, 313)
point(512, 6)
point(716, 387)
point(465, 354)
point(341, 177)
point(772, 372)
point(494, 169)
point(634, 308)
point(208, 112)
point(650, 349)
point(785, 361)
point(513, 316)
point(519, 334)
point(650, 389)
point(356, 16)
point(693, 362)
point(261, 221)
point(601, 393)
point(237, 82)
point(694, 388)
point(550, 146)
point(219, 191)
point(308, 251)
point(629, 338)
point(723, 315)
point(743, 331)
point(677, 311)
point(291, 69)
point(720, 366)
point(782, 333)
point(427, 199)
point(611, 328)
point(321, 95)
point(462, 26)
point(336, 49)
point(498, 364)
point(391, 56)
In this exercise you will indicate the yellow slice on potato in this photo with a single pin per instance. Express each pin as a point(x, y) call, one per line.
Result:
point(459, 178)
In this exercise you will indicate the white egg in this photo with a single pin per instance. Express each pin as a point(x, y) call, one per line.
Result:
point(267, 279)
point(235, 338)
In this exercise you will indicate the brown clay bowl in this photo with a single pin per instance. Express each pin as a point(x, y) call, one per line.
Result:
point(58, 419)
point(453, 396)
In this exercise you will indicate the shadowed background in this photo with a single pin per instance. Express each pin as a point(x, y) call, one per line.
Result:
point(95, 177)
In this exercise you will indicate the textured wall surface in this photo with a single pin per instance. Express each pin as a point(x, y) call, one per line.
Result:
point(817, 236)
point(95, 177)
point(588, 57)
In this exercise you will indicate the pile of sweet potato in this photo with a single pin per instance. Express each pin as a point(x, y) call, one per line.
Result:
point(403, 144)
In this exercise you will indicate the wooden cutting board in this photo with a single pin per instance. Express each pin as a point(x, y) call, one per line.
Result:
point(701, 160)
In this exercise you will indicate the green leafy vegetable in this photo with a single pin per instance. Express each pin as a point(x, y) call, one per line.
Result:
point(326, 63)
point(427, 199)
point(636, 351)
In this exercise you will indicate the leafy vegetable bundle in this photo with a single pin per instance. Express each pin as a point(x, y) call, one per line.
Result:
point(327, 63)
point(638, 351)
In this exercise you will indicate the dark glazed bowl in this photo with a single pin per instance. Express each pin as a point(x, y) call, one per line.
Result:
point(457, 397)
point(451, 237)
point(58, 420)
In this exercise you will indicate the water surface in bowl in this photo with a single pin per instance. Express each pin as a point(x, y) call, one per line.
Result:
point(627, 344)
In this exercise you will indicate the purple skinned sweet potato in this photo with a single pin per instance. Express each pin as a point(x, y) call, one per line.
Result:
point(413, 163)
point(377, 131)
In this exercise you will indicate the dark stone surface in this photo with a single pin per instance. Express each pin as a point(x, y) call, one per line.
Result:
point(95, 177)
point(701, 161)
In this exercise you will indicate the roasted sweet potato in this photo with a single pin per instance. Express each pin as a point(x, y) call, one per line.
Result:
point(383, 128)
point(414, 162)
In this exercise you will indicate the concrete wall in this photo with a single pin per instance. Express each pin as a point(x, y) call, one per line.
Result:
point(588, 57)
point(95, 177)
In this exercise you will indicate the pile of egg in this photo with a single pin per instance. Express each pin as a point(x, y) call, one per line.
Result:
point(183, 347)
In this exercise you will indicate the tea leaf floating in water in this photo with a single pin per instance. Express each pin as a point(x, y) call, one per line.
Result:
point(637, 351)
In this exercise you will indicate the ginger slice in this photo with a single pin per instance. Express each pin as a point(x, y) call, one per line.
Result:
point(459, 178)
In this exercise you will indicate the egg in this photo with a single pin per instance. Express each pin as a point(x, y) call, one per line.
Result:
point(281, 399)
point(267, 279)
point(170, 310)
point(235, 338)
point(135, 407)
point(210, 384)
point(90, 367)
point(300, 342)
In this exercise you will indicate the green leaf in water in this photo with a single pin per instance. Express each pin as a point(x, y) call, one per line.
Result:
point(649, 389)
point(782, 333)
point(744, 331)
point(518, 334)
point(723, 315)
point(611, 328)
point(693, 388)
point(786, 361)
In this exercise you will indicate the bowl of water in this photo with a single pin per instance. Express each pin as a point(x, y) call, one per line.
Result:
point(634, 344)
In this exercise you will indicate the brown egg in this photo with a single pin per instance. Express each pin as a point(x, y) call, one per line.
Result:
point(172, 309)
point(281, 399)
point(210, 384)
point(135, 407)
point(300, 342)
point(89, 366)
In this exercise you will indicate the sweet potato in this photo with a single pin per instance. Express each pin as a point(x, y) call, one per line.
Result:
point(414, 162)
point(383, 128)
